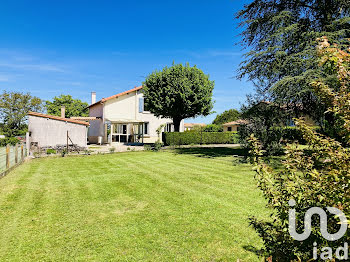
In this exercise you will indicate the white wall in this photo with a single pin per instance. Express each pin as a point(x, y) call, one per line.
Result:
point(126, 107)
point(96, 128)
point(50, 132)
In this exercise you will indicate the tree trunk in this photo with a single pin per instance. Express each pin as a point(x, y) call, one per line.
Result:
point(176, 122)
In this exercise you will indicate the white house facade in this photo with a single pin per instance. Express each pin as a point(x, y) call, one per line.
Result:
point(122, 118)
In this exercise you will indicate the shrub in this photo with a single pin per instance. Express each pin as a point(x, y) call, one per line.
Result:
point(9, 141)
point(112, 149)
point(318, 177)
point(213, 128)
point(194, 137)
point(50, 151)
point(147, 147)
point(157, 146)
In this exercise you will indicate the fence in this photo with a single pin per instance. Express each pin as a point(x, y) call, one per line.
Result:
point(10, 157)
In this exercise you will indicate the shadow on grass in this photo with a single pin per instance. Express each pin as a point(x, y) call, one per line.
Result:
point(213, 151)
point(257, 251)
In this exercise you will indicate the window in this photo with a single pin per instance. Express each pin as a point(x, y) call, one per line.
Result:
point(120, 129)
point(229, 128)
point(169, 127)
point(146, 128)
point(140, 104)
point(143, 105)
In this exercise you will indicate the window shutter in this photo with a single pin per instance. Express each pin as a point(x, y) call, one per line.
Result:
point(140, 104)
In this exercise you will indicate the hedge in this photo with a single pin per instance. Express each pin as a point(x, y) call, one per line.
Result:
point(197, 137)
point(9, 141)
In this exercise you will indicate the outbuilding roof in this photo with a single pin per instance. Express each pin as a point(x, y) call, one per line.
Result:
point(58, 118)
point(117, 95)
point(237, 122)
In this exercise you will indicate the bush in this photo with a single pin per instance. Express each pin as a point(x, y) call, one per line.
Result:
point(9, 141)
point(112, 150)
point(157, 146)
point(213, 128)
point(147, 147)
point(50, 151)
point(194, 137)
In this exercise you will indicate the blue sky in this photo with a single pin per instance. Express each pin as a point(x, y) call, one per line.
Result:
point(50, 48)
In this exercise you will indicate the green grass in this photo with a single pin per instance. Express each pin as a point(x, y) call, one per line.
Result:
point(133, 206)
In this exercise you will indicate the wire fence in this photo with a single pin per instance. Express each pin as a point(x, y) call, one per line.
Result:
point(11, 156)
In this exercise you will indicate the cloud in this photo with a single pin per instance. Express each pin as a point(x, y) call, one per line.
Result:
point(210, 53)
point(4, 78)
point(33, 67)
point(216, 53)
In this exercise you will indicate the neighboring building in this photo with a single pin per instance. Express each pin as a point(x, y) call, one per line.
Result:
point(191, 126)
point(123, 118)
point(234, 125)
point(50, 131)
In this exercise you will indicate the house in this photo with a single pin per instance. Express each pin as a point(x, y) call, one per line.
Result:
point(191, 126)
point(124, 118)
point(50, 131)
point(234, 125)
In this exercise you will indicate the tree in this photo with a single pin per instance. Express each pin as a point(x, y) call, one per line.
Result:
point(265, 121)
point(74, 107)
point(314, 177)
point(281, 35)
point(14, 107)
point(226, 116)
point(213, 128)
point(178, 92)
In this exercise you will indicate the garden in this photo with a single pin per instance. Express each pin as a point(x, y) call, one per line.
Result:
point(186, 204)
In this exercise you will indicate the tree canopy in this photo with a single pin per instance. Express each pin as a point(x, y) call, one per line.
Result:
point(74, 107)
point(226, 116)
point(178, 92)
point(317, 176)
point(14, 107)
point(281, 35)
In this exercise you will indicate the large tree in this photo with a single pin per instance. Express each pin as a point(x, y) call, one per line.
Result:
point(178, 92)
point(317, 176)
point(14, 107)
point(281, 35)
point(74, 107)
point(226, 116)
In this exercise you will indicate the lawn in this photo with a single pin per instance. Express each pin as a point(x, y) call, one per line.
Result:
point(136, 206)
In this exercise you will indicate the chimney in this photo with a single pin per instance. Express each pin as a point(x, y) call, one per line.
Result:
point(93, 97)
point(63, 111)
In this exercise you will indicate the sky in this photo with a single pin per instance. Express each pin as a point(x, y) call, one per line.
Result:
point(49, 48)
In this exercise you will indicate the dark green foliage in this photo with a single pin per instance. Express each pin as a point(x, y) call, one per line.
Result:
point(157, 146)
point(265, 122)
point(282, 38)
point(317, 176)
point(14, 107)
point(178, 92)
point(74, 107)
point(227, 116)
point(50, 151)
point(9, 141)
point(194, 137)
point(212, 128)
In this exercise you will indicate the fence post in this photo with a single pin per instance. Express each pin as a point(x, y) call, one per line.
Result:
point(22, 153)
point(67, 143)
point(7, 156)
point(16, 153)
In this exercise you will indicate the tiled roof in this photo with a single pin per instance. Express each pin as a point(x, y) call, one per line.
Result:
point(193, 124)
point(59, 118)
point(117, 95)
point(237, 122)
